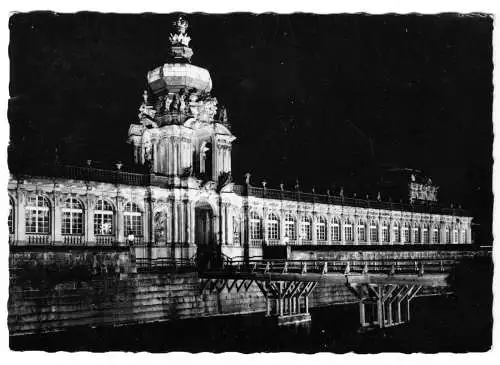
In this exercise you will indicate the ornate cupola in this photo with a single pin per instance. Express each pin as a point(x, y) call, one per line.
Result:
point(181, 130)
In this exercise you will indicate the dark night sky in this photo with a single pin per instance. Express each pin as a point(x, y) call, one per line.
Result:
point(305, 93)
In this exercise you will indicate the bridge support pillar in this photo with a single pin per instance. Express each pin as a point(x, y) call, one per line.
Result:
point(362, 314)
point(376, 301)
point(287, 297)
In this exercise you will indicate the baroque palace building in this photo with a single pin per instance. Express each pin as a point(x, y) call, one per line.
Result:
point(188, 200)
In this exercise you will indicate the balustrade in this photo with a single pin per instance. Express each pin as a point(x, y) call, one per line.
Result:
point(39, 239)
point(105, 240)
point(76, 240)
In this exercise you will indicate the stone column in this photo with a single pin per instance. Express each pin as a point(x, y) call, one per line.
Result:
point(20, 215)
point(355, 224)
point(314, 221)
point(362, 315)
point(56, 219)
point(380, 238)
point(264, 224)
point(193, 224)
point(282, 227)
point(89, 216)
point(221, 224)
point(342, 233)
point(228, 226)
point(173, 219)
point(120, 234)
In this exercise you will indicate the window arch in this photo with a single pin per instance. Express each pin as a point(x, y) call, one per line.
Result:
point(435, 234)
point(406, 233)
point(335, 230)
point(273, 227)
point(104, 218)
point(385, 232)
point(462, 236)
point(455, 235)
point(255, 226)
point(373, 232)
point(132, 220)
point(396, 232)
point(11, 216)
point(447, 235)
point(72, 217)
point(306, 228)
point(38, 215)
point(361, 231)
point(425, 234)
point(290, 231)
point(348, 231)
point(321, 228)
point(417, 237)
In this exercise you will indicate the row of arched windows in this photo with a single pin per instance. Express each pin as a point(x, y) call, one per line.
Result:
point(401, 233)
point(38, 217)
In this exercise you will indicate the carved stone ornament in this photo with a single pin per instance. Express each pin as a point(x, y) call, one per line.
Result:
point(180, 38)
point(209, 186)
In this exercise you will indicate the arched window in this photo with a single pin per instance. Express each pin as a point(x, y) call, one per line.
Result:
point(290, 231)
point(132, 220)
point(37, 215)
point(11, 216)
point(348, 231)
point(255, 226)
point(305, 228)
point(373, 232)
point(273, 227)
point(361, 231)
point(435, 235)
point(455, 235)
point(425, 234)
point(321, 229)
point(416, 235)
point(385, 232)
point(72, 217)
point(396, 232)
point(336, 230)
point(447, 235)
point(104, 218)
point(406, 233)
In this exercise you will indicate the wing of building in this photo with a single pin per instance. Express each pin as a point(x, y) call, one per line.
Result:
point(187, 200)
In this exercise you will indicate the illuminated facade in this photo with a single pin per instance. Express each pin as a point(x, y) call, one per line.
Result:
point(188, 199)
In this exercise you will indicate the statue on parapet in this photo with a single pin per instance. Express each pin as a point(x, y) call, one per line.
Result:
point(146, 112)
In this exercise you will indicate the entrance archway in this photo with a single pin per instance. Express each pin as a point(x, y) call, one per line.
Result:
point(204, 230)
point(205, 236)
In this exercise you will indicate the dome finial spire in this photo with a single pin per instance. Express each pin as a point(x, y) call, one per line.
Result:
point(180, 50)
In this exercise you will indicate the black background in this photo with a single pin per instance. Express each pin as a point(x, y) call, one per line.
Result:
point(307, 95)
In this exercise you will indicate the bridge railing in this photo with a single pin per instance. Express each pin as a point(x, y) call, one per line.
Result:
point(406, 266)
point(164, 263)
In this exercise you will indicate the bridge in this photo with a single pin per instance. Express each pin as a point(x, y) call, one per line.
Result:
point(384, 289)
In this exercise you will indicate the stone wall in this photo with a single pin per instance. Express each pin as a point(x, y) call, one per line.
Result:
point(51, 291)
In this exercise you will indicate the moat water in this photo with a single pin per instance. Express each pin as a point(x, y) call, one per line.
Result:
point(438, 324)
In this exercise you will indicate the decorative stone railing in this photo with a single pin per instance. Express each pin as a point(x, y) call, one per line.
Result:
point(38, 239)
point(105, 240)
point(77, 240)
point(255, 243)
point(432, 208)
point(273, 242)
